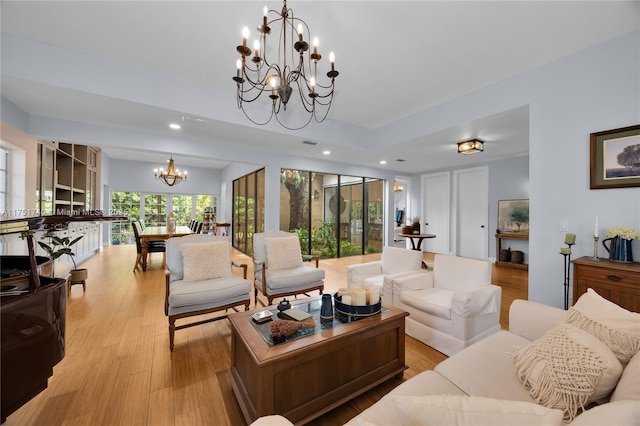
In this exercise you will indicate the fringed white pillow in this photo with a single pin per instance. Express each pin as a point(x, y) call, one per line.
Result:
point(613, 325)
point(567, 368)
point(206, 261)
point(283, 252)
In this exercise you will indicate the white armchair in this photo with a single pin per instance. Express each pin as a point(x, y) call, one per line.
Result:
point(395, 262)
point(279, 269)
point(452, 306)
point(200, 280)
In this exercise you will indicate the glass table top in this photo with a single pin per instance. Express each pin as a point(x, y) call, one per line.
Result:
point(312, 307)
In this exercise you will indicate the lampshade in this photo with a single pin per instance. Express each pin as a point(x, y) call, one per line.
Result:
point(471, 146)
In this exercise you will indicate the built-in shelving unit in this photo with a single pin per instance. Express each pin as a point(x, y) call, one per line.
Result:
point(75, 178)
point(67, 184)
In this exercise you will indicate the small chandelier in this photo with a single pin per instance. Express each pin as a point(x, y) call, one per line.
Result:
point(171, 176)
point(397, 187)
point(470, 147)
point(295, 67)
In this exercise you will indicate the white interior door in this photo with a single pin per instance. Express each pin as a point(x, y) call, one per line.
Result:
point(436, 211)
point(471, 212)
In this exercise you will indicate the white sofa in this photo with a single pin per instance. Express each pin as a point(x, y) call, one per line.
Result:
point(450, 307)
point(480, 385)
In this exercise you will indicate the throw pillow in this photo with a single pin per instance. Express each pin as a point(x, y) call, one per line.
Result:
point(625, 412)
point(617, 327)
point(206, 261)
point(628, 386)
point(283, 253)
point(567, 368)
point(472, 410)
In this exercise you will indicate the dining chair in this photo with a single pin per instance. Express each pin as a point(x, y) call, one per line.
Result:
point(200, 280)
point(198, 228)
point(154, 246)
point(278, 267)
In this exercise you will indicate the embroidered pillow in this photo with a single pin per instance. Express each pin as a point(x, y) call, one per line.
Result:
point(283, 253)
point(567, 368)
point(472, 410)
point(617, 327)
point(206, 261)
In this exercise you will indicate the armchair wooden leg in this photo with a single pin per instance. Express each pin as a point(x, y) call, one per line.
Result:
point(172, 332)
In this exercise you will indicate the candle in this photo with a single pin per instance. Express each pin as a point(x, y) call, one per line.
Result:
point(346, 299)
point(595, 230)
point(565, 250)
point(342, 291)
point(570, 238)
point(374, 296)
point(359, 297)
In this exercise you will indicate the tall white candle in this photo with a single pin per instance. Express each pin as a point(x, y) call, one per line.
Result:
point(359, 297)
point(374, 296)
point(595, 231)
point(346, 299)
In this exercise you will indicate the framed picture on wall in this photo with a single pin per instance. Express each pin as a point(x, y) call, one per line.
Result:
point(615, 158)
point(513, 216)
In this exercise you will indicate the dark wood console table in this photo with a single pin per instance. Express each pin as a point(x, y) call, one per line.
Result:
point(618, 282)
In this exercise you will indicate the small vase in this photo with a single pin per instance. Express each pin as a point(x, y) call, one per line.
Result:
point(619, 249)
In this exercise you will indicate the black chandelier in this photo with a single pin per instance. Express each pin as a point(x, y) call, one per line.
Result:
point(256, 74)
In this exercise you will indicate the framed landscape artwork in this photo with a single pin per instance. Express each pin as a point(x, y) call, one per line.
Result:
point(513, 216)
point(615, 158)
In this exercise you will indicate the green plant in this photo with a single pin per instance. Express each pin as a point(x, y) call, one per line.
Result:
point(59, 246)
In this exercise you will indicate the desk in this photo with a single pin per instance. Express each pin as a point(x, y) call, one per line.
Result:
point(419, 238)
point(159, 233)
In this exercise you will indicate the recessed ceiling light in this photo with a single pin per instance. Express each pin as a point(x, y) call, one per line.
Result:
point(326, 152)
point(383, 161)
point(174, 126)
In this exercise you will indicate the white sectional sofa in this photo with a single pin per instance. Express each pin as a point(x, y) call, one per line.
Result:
point(480, 384)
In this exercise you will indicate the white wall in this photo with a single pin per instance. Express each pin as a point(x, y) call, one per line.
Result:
point(594, 90)
point(137, 176)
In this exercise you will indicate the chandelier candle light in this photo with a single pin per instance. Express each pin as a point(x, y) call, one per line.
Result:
point(171, 176)
point(294, 66)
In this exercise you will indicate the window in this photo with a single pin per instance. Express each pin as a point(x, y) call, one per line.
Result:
point(182, 206)
point(248, 210)
point(334, 215)
point(126, 204)
point(155, 210)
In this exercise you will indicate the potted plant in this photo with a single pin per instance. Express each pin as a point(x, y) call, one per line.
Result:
point(416, 224)
point(59, 246)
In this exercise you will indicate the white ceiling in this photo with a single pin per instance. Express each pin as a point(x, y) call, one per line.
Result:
point(395, 59)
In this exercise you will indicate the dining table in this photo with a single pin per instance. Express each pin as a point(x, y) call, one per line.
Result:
point(154, 233)
point(416, 239)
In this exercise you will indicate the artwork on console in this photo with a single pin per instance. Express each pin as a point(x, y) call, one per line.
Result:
point(615, 158)
point(513, 216)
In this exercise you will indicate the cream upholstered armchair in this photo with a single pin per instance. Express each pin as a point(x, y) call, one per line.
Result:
point(452, 306)
point(200, 280)
point(279, 269)
point(394, 263)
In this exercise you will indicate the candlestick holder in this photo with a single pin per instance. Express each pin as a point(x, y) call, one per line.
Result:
point(595, 248)
point(566, 253)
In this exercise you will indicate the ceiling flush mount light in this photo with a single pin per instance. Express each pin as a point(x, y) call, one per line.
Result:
point(470, 147)
point(294, 67)
point(174, 126)
point(171, 176)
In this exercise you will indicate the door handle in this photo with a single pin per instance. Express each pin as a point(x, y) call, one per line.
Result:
point(481, 226)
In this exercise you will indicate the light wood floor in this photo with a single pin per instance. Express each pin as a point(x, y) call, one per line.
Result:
point(118, 369)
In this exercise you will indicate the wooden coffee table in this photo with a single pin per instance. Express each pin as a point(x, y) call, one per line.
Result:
point(307, 377)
